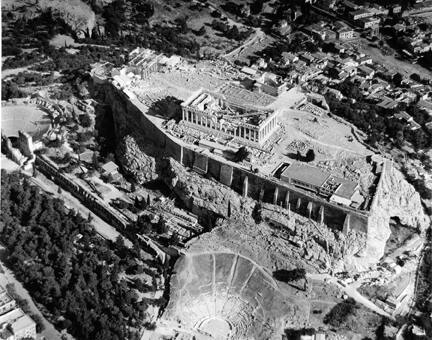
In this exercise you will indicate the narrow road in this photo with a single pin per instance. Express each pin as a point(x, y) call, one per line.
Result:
point(351, 292)
point(257, 35)
point(102, 228)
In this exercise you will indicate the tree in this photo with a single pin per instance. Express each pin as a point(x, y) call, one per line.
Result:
point(415, 77)
point(182, 25)
point(310, 155)
point(86, 268)
point(290, 275)
point(146, 9)
point(241, 154)
point(201, 31)
point(339, 314)
point(174, 239)
point(257, 213)
point(119, 242)
point(161, 226)
point(397, 79)
point(257, 6)
point(85, 120)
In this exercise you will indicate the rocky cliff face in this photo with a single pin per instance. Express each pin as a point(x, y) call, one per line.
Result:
point(394, 197)
point(136, 162)
point(75, 13)
point(202, 193)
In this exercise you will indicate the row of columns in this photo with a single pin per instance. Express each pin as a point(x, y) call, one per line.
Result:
point(267, 128)
point(195, 118)
point(241, 131)
point(286, 201)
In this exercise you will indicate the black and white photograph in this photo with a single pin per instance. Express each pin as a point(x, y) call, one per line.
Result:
point(216, 170)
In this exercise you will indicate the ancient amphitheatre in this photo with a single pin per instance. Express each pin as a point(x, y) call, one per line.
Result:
point(223, 295)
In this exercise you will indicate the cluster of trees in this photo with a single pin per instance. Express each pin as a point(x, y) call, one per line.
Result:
point(67, 267)
point(340, 313)
point(22, 60)
point(85, 120)
point(10, 90)
point(114, 15)
point(294, 45)
point(241, 154)
point(294, 275)
point(8, 49)
point(309, 157)
point(418, 183)
point(231, 32)
point(37, 79)
point(376, 121)
point(63, 61)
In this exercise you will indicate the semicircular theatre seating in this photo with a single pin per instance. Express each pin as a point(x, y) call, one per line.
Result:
point(221, 289)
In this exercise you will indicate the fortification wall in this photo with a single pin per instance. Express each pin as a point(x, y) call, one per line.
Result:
point(128, 116)
point(272, 190)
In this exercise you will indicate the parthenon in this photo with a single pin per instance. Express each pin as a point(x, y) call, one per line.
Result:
point(237, 115)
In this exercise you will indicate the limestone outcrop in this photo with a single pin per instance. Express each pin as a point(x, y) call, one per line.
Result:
point(394, 197)
point(75, 13)
point(135, 162)
point(202, 193)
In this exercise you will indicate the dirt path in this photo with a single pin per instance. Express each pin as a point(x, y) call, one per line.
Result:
point(257, 35)
point(351, 292)
point(102, 228)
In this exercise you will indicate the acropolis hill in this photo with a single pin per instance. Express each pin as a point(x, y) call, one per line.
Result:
point(201, 114)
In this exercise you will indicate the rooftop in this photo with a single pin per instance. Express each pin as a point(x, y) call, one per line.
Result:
point(306, 173)
point(110, 167)
point(17, 319)
point(346, 189)
point(360, 11)
point(388, 103)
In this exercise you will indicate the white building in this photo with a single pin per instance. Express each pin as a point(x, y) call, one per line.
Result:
point(16, 325)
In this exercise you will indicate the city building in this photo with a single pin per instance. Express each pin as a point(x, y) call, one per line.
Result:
point(16, 325)
point(360, 13)
point(343, 31)
point(271, 84)
point(388, 103)
point(232, 112)
point(289, 58)
point(370, 22)
point(110, 171)
point(365, 71)
point(6, 302)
